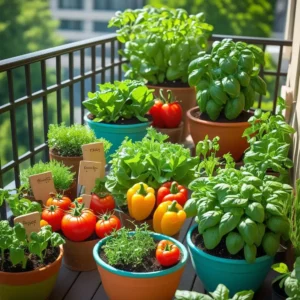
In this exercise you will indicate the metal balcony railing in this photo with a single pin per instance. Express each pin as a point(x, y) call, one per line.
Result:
point(66, 73)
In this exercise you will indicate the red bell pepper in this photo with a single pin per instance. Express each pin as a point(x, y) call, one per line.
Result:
point(167, 253)
point(170, 191)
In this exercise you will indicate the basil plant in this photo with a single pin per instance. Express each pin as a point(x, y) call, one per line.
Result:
point(246, 211)
point(227, 79)
point(160, 42)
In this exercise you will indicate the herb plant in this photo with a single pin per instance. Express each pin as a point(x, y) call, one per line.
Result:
point(295, 221)
point(67, 141)
point(151, 160)
point(125, 249)
point(290, 281)
point(62, 176)
point(226, 80)
point(123, 99)
point(248, 212)
point(21, 247)
point(160, 42)
point(221, 292)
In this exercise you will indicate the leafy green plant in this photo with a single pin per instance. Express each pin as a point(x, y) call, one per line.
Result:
point(221, 292)
point(151, 160)
point(290, 281)
point(125, 249)
point(226, 80)
point(62, 176)
point(160, 42)
point(295, 221)
point(123, 99)
point(67, 141)
point(20, 247)
point(248, 212)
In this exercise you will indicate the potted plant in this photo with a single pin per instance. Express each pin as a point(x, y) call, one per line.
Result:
point(141, 268)
point(226, 82)
point(63, 178)
point(28, 266)
point(159, 45)
point(167, 115)
point(241, 219)
point(119, 110)
point(65, 144)
point(221, 292)
point(287, 285)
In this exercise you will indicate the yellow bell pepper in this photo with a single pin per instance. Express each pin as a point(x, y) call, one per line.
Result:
point(168, 218)
point(141, 201)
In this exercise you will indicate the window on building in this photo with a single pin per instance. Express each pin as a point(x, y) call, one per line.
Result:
point(117, 4)
point(102, 27)
point(70, 4)
point(71, 25)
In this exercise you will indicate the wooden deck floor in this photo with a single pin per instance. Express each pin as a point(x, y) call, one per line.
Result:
point(87, 285)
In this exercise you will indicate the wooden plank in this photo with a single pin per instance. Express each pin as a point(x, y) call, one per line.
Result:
point(100, 294)
point(85, 286)
point(64, 282)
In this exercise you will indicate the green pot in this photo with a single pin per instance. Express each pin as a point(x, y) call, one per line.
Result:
point(236, 274)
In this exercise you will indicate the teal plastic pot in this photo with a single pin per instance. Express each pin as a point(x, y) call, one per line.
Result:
point(123, 285)
point(237, 275)
point(117, 133)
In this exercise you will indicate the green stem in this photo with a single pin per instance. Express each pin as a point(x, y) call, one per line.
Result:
point(172, 206)
point(174, 189)
point(142, 190)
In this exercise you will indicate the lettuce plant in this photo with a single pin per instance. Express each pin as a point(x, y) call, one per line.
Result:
point(247, 211)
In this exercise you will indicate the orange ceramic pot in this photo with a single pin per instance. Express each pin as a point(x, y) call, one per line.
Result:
point(123, 285)
point(33, 285)
point(175, 134)
point(187, 98)
point(230, 134)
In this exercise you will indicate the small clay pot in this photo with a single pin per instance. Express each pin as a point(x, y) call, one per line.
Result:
point(78, 256)
point(175, 134)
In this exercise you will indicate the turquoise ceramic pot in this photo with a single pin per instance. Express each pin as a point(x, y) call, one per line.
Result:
point(117, 133)
point(236, 275)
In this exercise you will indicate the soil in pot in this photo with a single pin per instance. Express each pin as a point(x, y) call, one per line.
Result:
point(122, 121)
point(33, 261)
point(277, 292)
point(220, 250)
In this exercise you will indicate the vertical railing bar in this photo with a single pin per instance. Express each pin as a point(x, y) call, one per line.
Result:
point(93, 58)
point(13, 127)
point(112, 60)
point(261, 73)
point(3, 215)
point(103, 62)
point(45, 105)
point(277, 78)
point(71, 87)
point(58, 92)
point(120, 58)
point(82, 85)
point(29, 113)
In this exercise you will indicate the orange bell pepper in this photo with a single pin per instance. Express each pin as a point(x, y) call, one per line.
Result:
point(168, 218)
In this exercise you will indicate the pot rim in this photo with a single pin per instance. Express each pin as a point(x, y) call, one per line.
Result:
point(65, 157)
point(117, 126)
point(10, 275)
point(170, 87)
point(220, 259)
point(156, 236)
point(212, 123)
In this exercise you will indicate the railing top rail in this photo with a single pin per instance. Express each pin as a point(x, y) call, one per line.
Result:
point(29, 58)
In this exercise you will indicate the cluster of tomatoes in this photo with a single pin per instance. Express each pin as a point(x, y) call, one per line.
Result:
point(77, 222)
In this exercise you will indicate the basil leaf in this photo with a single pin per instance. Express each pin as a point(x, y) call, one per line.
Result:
point(211, 237)
point(234, 243)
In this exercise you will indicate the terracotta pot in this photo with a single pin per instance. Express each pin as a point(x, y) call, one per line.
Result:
point(33, 285)
point(175, 134)
point(79, 255)
point(72, 162)
point(230, 134)
point(123, 285)
point(187, 98)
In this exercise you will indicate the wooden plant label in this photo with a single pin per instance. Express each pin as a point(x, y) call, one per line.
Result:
point(41, 185)
point(86, 199)
point(30, 221)
point(89, 171)
point(94, 152)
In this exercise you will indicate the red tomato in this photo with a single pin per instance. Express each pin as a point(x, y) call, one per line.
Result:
point(106, 225)
point(53, 215)
point(78, 225)
point(59, 200)
point(102, 205)
point(171, 113)
point(155, 112)
point(167, 253)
